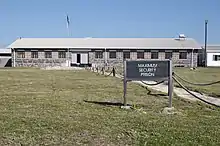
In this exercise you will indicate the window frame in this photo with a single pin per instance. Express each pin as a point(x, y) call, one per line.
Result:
point(157, 54)
point(61, 54)
point(22, 55)
point(114, 56)
point(170, 55)
point(181, 57)
point(126, 55)
point(216, 58)
point(140, 55)
point(99, 55)
point(46, 56)
point(34, 55)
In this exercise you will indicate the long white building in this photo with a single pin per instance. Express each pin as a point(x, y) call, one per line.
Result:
point(41, 52)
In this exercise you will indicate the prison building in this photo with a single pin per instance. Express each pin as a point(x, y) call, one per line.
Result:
point(5, 58)
point(43, 52)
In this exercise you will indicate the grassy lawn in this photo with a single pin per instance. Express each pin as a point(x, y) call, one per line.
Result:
point(40, 107)
point(201, 75)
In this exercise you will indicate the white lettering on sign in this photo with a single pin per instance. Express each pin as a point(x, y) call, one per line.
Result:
point(147, 70)
point(147, 74)
point(147, 65)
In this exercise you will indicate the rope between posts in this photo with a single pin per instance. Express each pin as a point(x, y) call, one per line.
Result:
point(118, 72)
point(157, 83)
point(197, 84)
point(121, 75)
point(109, 74)
point(182, 86)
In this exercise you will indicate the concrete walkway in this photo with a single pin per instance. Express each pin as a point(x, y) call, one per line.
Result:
point(178, 91)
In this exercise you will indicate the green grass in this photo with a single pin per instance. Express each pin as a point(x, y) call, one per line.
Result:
point(40, 107)
point(201, 75)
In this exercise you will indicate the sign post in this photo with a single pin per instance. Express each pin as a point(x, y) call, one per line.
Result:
point(125, 84)
point(170, 84)
point(148, 70)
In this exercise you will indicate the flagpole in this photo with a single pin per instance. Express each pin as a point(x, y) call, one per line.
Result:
point(68, 50)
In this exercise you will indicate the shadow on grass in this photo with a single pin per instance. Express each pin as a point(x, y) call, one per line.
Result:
point(105, 103)
point(155, 94)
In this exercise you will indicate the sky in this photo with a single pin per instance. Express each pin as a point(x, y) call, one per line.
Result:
point(109, 19)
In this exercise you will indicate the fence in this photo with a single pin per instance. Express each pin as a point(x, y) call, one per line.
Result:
point(177, 78)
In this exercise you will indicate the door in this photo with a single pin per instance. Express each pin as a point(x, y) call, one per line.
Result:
point(84, 58)
point(78, 58)
point(74, 58)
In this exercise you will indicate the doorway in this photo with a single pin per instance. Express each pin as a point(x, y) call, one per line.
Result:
point(78, 58)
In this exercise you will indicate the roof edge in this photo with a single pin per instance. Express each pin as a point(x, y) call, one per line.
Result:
point(155, 48)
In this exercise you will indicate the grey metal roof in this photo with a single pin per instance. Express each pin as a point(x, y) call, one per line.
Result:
point(119, 43)
point(212, 48)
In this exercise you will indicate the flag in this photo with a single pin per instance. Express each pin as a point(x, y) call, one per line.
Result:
point(68, 23)
point(68, 20)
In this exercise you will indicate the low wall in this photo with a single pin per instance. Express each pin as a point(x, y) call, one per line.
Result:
point(40, 62)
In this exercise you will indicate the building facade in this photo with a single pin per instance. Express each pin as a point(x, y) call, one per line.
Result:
point(213, 55)
point(5, 58)
point(43, 52)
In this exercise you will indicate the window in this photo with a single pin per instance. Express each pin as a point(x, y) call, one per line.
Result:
point(34, 54)
point(62, 54)
point(112, 54)
point(48, 54)
point(126, 55)
point(99, 54)
point(154, 55)
point(140, 55)
point(183, 55)
point(216, 57)
point(21, 54)
point(168, 55)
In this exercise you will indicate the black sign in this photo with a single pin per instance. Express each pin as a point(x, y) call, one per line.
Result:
point(147, 69)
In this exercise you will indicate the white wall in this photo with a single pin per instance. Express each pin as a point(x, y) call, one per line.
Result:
point(210, 61)
point(5, 51)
